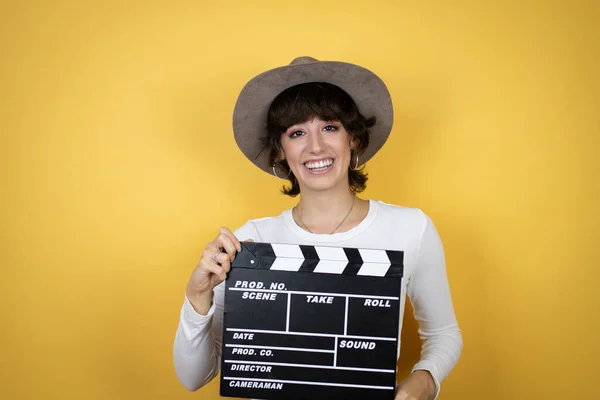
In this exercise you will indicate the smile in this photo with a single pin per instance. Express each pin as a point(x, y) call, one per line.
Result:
point(319, 166)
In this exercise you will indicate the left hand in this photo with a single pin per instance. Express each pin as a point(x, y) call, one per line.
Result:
point(418, 386)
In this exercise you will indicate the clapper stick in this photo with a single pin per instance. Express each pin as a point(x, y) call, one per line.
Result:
point(311, 322)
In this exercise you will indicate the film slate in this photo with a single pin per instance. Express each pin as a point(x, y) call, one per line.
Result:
point(311, 322)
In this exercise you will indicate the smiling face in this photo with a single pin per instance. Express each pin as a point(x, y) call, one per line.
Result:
point(318, 153)
point(313, 126)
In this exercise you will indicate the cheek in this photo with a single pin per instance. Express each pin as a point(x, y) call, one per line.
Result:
point(343, 147)
point(289, 151)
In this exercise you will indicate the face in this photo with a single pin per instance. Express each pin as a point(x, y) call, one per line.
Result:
point(318, 152)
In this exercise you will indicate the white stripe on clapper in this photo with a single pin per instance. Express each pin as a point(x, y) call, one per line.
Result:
point(375, 262)
point(332, 260)
point(390, 339)
point(287, 318)
point(335, 354)
point(248, 346)
point(287, 250)
point(288, 257)
point(287, 264)
point(346, 317)
point(359, 296)
point(231, 378)
point(389, 371)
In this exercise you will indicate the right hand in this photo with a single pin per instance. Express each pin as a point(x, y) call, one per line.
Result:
point(212, 269)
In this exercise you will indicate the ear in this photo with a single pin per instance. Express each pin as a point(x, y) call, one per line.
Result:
point(281, 154)
point(353, 144)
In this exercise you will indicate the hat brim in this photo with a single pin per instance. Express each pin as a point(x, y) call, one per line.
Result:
point(367, 90)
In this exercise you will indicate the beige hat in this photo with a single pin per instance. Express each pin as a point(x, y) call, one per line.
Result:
point(366, 89)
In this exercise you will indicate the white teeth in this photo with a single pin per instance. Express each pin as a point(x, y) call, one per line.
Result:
point(319, 164)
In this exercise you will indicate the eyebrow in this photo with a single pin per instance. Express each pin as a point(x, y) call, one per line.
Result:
point(327, 121)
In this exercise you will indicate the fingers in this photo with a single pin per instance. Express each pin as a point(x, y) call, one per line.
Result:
point(220, 253)
point(232, 238)
point(401, 396)
point(223, 261)
point(225, 241)
point(209, 267)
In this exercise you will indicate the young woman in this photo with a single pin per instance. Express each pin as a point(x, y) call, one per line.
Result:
point(315, 123)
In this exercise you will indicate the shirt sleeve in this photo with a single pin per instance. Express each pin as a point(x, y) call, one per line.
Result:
point(197, 345)
point(429, 293)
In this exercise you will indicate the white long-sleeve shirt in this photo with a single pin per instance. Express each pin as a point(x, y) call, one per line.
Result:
point(197, 347)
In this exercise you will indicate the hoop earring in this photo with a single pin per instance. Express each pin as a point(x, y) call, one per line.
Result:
point(355, 168)
point(275, 173)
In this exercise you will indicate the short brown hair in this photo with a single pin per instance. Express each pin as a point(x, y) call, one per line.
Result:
point(304, 102)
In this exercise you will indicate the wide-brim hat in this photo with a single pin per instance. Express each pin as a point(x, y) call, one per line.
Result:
point(367, 90)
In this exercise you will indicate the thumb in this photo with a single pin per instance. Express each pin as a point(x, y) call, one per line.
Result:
point(249, 240)
point(401, 395)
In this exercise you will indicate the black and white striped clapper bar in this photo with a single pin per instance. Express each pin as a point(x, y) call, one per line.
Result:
point(311, 322)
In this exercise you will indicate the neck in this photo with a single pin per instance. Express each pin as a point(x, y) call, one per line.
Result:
point(322, 212)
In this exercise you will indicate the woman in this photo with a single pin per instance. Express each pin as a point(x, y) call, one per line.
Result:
point(315, 123)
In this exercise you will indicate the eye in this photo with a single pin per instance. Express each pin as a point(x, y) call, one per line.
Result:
point(295, 134)
point(330, 128)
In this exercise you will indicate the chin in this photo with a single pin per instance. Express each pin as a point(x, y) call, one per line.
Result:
point(320, 185)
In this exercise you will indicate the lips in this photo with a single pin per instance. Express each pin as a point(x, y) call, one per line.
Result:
point(319, 165)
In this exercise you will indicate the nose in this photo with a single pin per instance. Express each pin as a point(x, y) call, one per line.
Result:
point(315, 142)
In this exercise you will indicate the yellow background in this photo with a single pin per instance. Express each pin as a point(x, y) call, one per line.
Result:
point(118, 165)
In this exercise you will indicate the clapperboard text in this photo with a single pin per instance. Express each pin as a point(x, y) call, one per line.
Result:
point(298, 328)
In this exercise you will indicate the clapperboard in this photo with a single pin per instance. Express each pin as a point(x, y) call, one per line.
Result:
point(311, 322)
